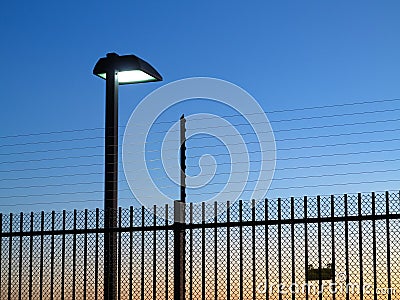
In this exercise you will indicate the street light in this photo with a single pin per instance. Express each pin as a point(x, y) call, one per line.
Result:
point(116, 70)
point(130, 69)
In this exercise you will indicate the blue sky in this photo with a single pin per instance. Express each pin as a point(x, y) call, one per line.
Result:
point(287, 54)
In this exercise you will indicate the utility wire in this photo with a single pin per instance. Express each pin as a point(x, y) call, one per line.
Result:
point(220, 173)
point(300, 157)
point(55, 141)
point(189, 140)
point(208, 184)
point(204, 193)
point(176, 185)
point(358, 163)
point(51, 159)
point(132, 198)
point(53, 194)
point(50, 150)
point(53, 176)
point(274, 131)
point(291, 110)
point(53, 185)
point(52, 202)
point(220, 126)
point(270, 112)
point(285, 178)
point(294, 187)
point(288, 158)
point(284, 149)
point(50, 132)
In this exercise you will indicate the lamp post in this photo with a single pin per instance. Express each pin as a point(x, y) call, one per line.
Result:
point(116, 70)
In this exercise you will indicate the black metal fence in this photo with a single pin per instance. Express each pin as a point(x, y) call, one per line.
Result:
point(343, 247)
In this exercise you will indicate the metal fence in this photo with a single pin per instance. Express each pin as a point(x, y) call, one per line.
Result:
point(244, 250)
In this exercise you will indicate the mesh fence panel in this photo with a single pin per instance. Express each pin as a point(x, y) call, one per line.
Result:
point(242, 252)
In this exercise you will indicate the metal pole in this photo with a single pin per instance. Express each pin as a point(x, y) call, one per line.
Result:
point(183, 157)
point(111, 186)
point(179, 222)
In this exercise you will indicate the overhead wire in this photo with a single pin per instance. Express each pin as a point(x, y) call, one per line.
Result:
point(194, 148)
point(291, 148)
point(129, 198)
point(208, 184)
point(220, 173)
point(287, 158)
point(269, 112)
point(202, 193)
point(295, 187)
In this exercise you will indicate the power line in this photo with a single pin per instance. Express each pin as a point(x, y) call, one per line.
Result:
point(289, 158)
point(358, 163)
point(50, 168)
point(296, 187)
point(302, 118)
point(291, 110)
point(149, 151)
point(50, 132)
point(221, 154)
point(203, 193)
point(270, 112)
point(52, 194)
point(153, 142)
point(50, 150)
point(191, 194)
point(52, 185)
point(286, 178)
point(51, 159)
point(176, 149)
point(307, 147)
point(56, 141)
point(52, 176)
point(52, 202)
point(305, 157)
point(335, 105)
point(279, 130)
point(304, 147)
point(221, 173)
point(293, 158)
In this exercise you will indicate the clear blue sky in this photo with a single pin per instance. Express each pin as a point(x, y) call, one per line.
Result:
point(287, 54)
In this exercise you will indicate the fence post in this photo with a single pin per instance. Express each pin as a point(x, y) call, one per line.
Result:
point(10, 256)
point(21, 230)
point(1, 244)
point(179, 250)
point(110, 253)
point(179, 222)
point(182, 147)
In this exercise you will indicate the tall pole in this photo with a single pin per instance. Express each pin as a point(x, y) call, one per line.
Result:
point(179, 226)
point(109, 68)
point(183, 157)
point(111, 187)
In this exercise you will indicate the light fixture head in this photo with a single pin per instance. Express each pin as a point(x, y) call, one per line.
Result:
point(130, 68)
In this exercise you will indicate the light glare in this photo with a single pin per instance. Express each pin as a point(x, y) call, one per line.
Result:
point(133, 76)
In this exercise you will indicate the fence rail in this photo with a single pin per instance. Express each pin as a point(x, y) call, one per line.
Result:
point(243, 250)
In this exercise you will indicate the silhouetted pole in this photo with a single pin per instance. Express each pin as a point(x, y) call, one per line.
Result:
point(111, 187)
point(179, 221)
point(116, 70)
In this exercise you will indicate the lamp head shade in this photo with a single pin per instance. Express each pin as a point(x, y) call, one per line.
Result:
point(130, 68)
